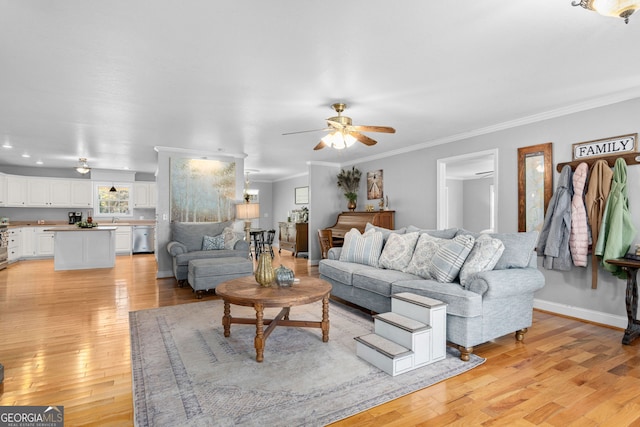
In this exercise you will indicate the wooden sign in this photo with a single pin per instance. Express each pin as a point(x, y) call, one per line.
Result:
point(606, 147)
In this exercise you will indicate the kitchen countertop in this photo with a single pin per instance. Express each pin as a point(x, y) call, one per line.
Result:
point(66, 223)
point(76, 228)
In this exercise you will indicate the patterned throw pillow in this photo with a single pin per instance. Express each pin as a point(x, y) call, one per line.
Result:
point(425, 249)
point(230, 238)
point(362, 248)
point(398, 251)
point(212, 243)
point(483, 257)
point(446, 263)
point(440, 259)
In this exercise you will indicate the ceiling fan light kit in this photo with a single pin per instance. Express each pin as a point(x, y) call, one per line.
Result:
point(83, 166)
point(343, 133)
point(615, 8)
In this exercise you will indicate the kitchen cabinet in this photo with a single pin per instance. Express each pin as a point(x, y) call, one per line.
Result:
point(37, 243)
point(48, 192)
point(15, 244)
point(294, 237)
point(144, 195)
point(81, 193)
point(123, 239)
point(43, 242)
point(16, 190)
point(3, 190)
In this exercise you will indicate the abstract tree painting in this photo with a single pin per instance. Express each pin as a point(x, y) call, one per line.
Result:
point(202, 190)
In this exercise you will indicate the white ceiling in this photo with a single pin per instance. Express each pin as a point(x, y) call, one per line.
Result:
point(110, 80)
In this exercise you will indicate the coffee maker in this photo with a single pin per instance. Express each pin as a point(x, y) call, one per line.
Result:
point(75, 217)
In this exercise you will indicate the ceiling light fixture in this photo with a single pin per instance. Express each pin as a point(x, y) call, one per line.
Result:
point(616, 8)
point(83, 166)
point(339, 140)
point(7, 145)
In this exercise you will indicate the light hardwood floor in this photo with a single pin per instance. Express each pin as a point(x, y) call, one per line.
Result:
point(64, 340)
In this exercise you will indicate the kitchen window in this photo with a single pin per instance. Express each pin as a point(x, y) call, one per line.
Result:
point(114, 203)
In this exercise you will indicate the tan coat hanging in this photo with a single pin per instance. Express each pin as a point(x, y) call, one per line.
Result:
point(595, 201)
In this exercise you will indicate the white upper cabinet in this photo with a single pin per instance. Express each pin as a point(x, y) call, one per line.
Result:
point(144, 194)
point(81, 193)
point(16, 190)
point(3, 190)
point(48, 192)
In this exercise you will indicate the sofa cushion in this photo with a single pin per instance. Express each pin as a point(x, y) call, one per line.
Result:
point(460, 302)
point(362, 248)
point(422, 255)
point(398, 250)
point(190, 233)
point(231, 237)
point(183, 259)
point(378, 280)
point(210, 243)
point(338, 271)
point(385, 231)
point(518, 248)
point(449, 233)
point(483, 257)
point(451, 254)
point(440, 259)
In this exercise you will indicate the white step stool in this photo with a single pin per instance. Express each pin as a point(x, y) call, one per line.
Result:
point(411, 335)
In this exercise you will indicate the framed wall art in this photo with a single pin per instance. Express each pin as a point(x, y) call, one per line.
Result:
point(535, 176)
point(202, 190)
point(374, 185)
point(301, 195)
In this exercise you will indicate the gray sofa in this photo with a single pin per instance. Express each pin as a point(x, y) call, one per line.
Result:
point(187, 242)
point(491, 304)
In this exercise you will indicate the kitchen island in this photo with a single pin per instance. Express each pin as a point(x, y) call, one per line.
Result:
point(78, 248)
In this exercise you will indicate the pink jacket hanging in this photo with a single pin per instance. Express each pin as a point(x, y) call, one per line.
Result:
point(579, 237)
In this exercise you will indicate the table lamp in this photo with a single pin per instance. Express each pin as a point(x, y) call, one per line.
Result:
point(247, 211)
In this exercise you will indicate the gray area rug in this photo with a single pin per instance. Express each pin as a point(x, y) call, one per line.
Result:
point(186, 373)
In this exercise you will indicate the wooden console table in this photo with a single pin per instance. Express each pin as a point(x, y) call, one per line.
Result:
point(631, 266)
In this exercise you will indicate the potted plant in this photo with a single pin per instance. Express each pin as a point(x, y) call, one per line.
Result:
point(349, 182)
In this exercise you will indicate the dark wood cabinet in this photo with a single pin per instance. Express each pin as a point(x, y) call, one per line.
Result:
point(294, 237)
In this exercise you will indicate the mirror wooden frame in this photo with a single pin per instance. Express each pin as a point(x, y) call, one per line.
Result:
point(524, 153)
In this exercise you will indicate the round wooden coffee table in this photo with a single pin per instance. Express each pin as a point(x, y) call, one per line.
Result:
point(246, 291)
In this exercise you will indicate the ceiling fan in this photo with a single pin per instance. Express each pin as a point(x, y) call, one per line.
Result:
point(343, 132)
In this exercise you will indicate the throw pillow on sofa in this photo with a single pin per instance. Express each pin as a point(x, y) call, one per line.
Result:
point(210, 243)
point(440, 259)
point(398, 250)
point(362, 248)
point(385, 231)
point(231, 238)
point(483, 257)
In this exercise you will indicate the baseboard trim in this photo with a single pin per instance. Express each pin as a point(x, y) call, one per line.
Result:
point(164, 274)
point(581, 313)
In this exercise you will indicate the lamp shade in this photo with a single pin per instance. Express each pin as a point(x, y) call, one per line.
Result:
point(247, 210)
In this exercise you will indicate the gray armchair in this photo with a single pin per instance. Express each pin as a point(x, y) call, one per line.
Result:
point(186, 245)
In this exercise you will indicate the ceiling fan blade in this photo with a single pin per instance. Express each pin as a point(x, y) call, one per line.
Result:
point(307, 131)
point(383, 129)
point(363, 138)
point(320, 145)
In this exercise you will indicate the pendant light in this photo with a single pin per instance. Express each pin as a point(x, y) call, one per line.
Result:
point(83, 166)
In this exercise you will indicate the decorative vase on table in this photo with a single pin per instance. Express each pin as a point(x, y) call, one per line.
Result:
point(284, 276)
point(351, 205)
point(265, 275)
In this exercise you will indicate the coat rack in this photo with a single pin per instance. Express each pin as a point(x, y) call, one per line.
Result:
point(629, 158)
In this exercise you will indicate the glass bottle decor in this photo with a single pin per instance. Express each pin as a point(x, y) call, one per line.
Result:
point(265, 275)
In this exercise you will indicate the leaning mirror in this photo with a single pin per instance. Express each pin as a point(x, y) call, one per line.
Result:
point(535, 176)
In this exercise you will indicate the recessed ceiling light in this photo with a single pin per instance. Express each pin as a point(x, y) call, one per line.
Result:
point(39, 162)
point(7, 145)
point(26, 156)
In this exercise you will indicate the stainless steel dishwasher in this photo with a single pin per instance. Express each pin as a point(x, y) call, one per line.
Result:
point(143, 239)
